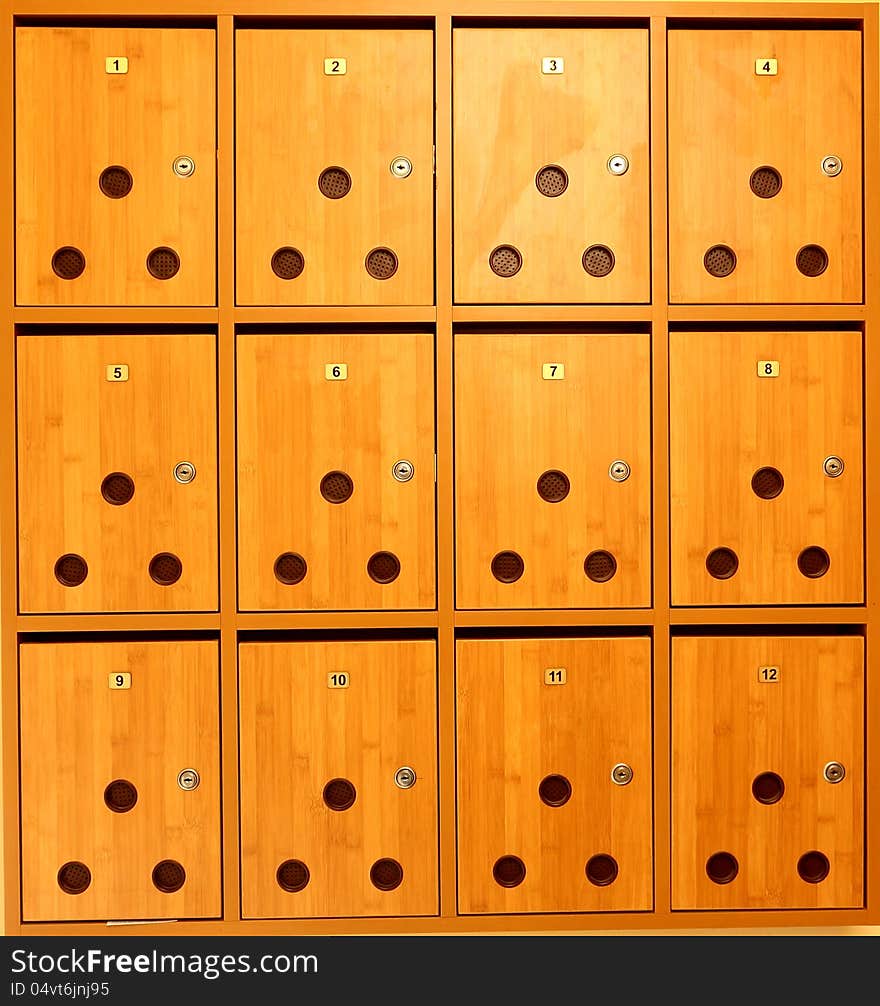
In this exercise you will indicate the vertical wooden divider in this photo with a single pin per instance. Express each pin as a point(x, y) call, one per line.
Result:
point(226, 466)
point(445, 463)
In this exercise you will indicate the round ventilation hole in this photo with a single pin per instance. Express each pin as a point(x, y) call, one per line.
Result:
point(813, 867)
point(719, 260)
point(598, 260)
point(168, 876)
point(768, 788)
point(163, 263)
point(383, 567)
point(386, 874)
point(812, 260)
point(292, 875)
point(509, 871)
point(601, 870)
point(68, 262)
point(337, 487)
point(508, 567)
point(722, 868)
point(381, 263)
point(71, 570)
point(117, 488)
point(722, 563)
point(767, 483)
point(765, 182)
point(115, 182)
point(553, 486)
point(505, 261)
point(165, 569)
point(120, 796)
point(334, 182)
point(339, 794)
point(288, 263)
point(551, 180)
point(813, 562)
point(554, 790)
point(74, 878)
point(600, 566)
point(290, 568)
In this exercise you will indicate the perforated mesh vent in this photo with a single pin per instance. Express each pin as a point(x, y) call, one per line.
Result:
point(168, 876)
point(115, 182)
point(765, 182)
point(812, 260)
point(120, 796)
point(600, 566)
point(381, 263)
point(551, 180)
point(505, 260)
point(719, 261)
point(339, 794)
point(334, 182)
point(814, 562)
point(71, 570)
point(767, 483)
point(337, 487)
point(554, 790)
point(74, 877)
point(722, 563)
point(598, 260)
point(292, 875)
point(553, 486)
point(288, 263)
point(386, 874)
point(117, 488)
point(508, 567)
point(290, 568)
point(165, 568)
point(68, 262)
point(163, 263)
point(383, 567)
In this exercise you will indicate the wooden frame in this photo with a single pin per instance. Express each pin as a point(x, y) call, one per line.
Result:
point(661, 619)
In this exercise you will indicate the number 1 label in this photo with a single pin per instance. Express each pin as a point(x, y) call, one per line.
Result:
point(116, 64)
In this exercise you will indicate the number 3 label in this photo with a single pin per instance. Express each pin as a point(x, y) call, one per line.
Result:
point(553, 64)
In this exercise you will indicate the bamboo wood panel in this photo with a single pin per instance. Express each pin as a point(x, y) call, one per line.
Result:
point(294, 427)
point(511, 120)
point(725, 121)
point(513, 730)
point(77, 736)
point(729, 727)
point(297, 734)
point(512, 425)
point(726, 423)
point(73, 120)
point(380, 109)
point(75, 428)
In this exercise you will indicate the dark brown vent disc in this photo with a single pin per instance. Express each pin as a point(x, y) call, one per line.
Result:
point(598, 260)
point(115, 182)
point(553, 486)
point(505, 261)
point(381, 263)
point(337, 487)
point(509, 871)
point(120, 796)
point(334, 182)
point(767, 483)
point(68, 262)
point(813, 867)
point(554, 790)
point(551, 180)
point(765, 182)
point(168, 876)
point(383, 567)
point(74, 877)
point(117, 488)
point(290, 568)
point(165, 569)
point(339, 794)
point(600, 566)
point(812, 260)
point(722, 563)
point(292, 875)
point(71, 570)
point(386, 874)
point(719, 261)
point(163, 263)
point(508, 567)
point(602, 870)
point(814, 562)
point(722, 868)
point(288, 263)
point(768, 788)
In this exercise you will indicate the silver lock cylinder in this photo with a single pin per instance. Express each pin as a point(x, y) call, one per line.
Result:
point(188, 779)
point(183, 166)
point(184, 472)
point(405, 777)
point(618, 164)
point(621, 774)
point(833, 466)
point(403, 470)
point(401, 167)
point(832, 165)
point(834, 772)
point(618, 471)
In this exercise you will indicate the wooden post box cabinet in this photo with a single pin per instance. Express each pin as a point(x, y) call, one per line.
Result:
point(439, 475)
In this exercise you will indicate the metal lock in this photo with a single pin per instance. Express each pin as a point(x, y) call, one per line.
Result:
point(833, 466)
point(184, 472)
point(621, 774)
point(403, 470)
point(188, 779)
point(401, 167)
point(618, 164)
point(619, 471)
point(834, 772)
point(832, 165)
point(405, 777)
point(183, 166)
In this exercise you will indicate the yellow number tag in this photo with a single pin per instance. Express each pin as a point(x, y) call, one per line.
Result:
point(768, 368)
point(553, 64)
point(336, 371)
point(768, 675)
point(116, 64)
point(338, 679)
point(553, 371)
point(117, 371)
point(120, 679)
point(335, 66)
point(766, 67)
point(555, 676)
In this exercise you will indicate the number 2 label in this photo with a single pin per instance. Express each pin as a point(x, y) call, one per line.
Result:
point(335, 66)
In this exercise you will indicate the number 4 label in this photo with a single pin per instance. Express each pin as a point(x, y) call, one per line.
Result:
point(765, 67)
